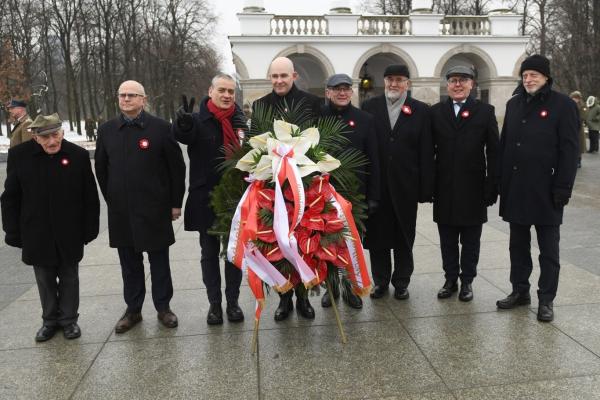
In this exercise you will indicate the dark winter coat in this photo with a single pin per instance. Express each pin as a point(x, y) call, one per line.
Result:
point(205, 150)
point(539, 150)
point(311, 104)
point(466, 151)
point(50, 205)
point(141, 173)
point(360, 131)
point(407, 170)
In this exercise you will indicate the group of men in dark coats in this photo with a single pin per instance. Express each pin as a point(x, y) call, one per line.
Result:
point(449, 154)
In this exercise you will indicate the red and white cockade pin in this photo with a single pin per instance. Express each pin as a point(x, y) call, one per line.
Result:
point(465, 114)
point(406, 110)
point(64, 162)
point(351, 123)
point(241, 134)
point(544, 113)
point(144, 144)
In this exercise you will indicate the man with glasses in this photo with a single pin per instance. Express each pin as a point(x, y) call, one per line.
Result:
point(539, 148)
point(406, 163)
point(141, 173)
point(284, 98)
point(465, 135)
point(360, 130)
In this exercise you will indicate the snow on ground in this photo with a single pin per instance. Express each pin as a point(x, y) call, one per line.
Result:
point(71, 136)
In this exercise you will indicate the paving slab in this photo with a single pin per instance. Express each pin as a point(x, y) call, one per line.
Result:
point(194, 367)
point(582, 323)
point(379, 360)
point(498, 348)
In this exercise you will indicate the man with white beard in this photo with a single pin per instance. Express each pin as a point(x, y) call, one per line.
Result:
point(407, 175)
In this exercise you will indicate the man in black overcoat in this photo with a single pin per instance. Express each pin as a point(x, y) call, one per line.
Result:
point(141, 173)
point(360, 130)
point(218, 126)
point(407, 174)
point(465, 135)
point(50, 209)
point(538, 161)
point(286, 97)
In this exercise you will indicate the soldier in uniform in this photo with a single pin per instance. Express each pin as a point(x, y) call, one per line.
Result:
point(361, 133)
point(539, 148)
point(465, 135)
point(20, 131)
point(50, 209)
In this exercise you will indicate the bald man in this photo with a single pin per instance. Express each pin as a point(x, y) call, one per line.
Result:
point(285, 97)
point(141, 173)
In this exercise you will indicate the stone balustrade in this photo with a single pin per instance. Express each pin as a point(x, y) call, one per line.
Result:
point(384, 25)
point(298, 25)
point(465, 25)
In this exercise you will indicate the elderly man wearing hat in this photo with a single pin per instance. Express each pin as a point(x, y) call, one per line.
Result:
point(582, 112)
point(50, 209)
point(465, 134)
point(406, 163)
point(20, 131)
point(538, 162)
point(360, 131)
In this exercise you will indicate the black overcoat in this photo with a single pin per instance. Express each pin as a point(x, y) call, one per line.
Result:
point(50, 205)
point(205, 149)
point(360, 130)
point(539, 149)
point(141, 173)
point(311, 104)
point(407, 170)
point(466, 151)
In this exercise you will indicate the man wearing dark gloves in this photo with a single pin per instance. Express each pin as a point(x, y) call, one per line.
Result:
point(141, 173)
point(219, 125)
point(286, 95)
point(360, 131)
point(406, 165)
point(538, 157)
point(465, 135)
point(50, 209)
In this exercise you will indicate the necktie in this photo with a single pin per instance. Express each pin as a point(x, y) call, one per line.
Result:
point(457, 107)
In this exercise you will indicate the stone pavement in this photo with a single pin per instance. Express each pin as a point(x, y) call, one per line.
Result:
point(421, 348)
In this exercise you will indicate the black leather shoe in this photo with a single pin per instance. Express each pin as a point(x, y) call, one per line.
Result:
point(215, 314)
point(285, 306)
point(401, 293)
point(72, 331)
point(545, 312)
point(514, 299)
point(304, 308)
point(326, 299)
point(352, 300)
point(466, 292)
point(45, 333)
point(234, 312)
point(447, 290)
point(168, 318)
point(127, 321)
point(378, 291)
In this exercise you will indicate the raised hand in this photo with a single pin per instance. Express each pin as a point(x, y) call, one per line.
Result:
point(185, 122)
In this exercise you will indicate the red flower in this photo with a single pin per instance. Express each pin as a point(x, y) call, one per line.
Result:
point(406, 109)
point(273, 253)
point(308, 243)
point(544, 113)
point(287, 193)
point(144, 144)
point(343, 256)
point(465, 114)
point(334, 225)
point(266, 198)
point(313, 222)
point(327, 253)
point(265, 233)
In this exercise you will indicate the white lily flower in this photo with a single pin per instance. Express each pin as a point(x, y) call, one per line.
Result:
point(246, 163)
point(260, 141)
point(328, 163)
point(264, 169)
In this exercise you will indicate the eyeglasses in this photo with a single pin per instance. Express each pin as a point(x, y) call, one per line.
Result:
point(129, 95)
point(454, 81)
point(341, 89)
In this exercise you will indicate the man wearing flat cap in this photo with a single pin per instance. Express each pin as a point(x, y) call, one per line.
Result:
point(465, 135)
point(18, 113)
point(406, 166)
point(50, 209)
point(538, 162)
point(141, 173)
point(360, 130)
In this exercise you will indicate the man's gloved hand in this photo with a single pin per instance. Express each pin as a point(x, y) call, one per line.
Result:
point(373, 206)
point(185, 121)
point(560, 200)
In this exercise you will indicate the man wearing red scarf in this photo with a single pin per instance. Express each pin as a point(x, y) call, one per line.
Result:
point(211, 134)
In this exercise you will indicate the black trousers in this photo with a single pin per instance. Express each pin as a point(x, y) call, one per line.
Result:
point(520, 259)
point(461, 263)
point(593, 140)
point(211, 271)
point(58, 287)
point(134, 287)
point(381, 261)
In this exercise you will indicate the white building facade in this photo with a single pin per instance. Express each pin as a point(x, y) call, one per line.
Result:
point(363, 45)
